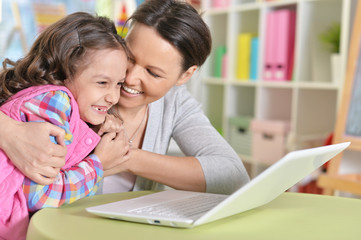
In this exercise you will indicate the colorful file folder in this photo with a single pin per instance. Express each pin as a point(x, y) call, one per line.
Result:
point(243, 56)
point(286, 20)
point(270, 48)
point(218, 61)
point(254, 58)
point(280, 42)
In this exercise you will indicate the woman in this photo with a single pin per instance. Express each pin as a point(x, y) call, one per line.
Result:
point(168, 41)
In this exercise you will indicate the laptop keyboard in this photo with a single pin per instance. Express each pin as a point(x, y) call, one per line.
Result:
point(184, 207)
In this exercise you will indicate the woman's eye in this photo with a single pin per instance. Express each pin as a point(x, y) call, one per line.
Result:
point(131, 60)
point(153, 74)
point(102, 82)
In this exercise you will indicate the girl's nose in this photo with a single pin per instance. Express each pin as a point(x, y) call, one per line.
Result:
point(113, 96)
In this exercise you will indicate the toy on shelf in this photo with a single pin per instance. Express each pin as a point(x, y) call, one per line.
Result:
point(121, 23)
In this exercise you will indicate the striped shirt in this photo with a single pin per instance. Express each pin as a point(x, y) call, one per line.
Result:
point(70, 184)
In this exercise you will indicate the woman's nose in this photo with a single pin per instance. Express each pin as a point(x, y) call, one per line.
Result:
point(134, 74)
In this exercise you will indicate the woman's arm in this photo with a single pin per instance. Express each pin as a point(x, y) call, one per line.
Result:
point(210, 164)
point(183, 173)
point(83, 178)
point(223, 170)
point(38, 160)
point(70, 184)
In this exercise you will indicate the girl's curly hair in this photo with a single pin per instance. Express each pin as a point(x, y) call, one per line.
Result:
point(59, 52)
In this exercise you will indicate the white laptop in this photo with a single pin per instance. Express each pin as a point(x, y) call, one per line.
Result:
point(188, 209)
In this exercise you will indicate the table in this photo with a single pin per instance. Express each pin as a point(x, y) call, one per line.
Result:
point(290, 216)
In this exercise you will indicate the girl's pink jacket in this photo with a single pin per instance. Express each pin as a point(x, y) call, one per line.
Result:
point(14, 217)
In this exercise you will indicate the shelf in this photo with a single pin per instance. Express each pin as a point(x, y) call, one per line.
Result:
point(246, 7)
point(214, 81)
point(281, 3)
point(243, 83)
point(318, 85)
point(275, 84)
point(216, 11)
point(309, 102)
point(272, 84)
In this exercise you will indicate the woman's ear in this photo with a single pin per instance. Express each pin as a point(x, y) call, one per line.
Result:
point(186, 75)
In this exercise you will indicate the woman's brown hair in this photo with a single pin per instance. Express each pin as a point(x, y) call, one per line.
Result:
point(179, 24)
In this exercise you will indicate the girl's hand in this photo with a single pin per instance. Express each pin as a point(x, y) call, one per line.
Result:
point(113, 150)
point(111, 124)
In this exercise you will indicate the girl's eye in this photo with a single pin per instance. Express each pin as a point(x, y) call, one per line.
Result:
point(102, 82)
point(153, 74)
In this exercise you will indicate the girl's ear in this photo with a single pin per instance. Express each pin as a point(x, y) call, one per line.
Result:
point(186, 75)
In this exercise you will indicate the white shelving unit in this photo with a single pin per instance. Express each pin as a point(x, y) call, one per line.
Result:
point(309, 102)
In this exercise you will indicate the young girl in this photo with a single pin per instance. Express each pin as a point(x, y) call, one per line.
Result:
point(71, 76)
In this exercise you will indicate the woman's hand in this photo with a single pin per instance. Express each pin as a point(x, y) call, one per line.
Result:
point(29, 147)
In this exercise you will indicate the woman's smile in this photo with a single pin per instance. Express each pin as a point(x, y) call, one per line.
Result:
point(130, 90)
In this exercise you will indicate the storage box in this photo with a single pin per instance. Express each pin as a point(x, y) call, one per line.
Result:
point(269, 140)
point(240, 136)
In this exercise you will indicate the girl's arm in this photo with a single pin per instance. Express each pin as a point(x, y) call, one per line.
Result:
point(70, 184)
point(38, 160)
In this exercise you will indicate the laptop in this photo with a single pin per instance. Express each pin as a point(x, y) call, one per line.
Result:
point(187, 209)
